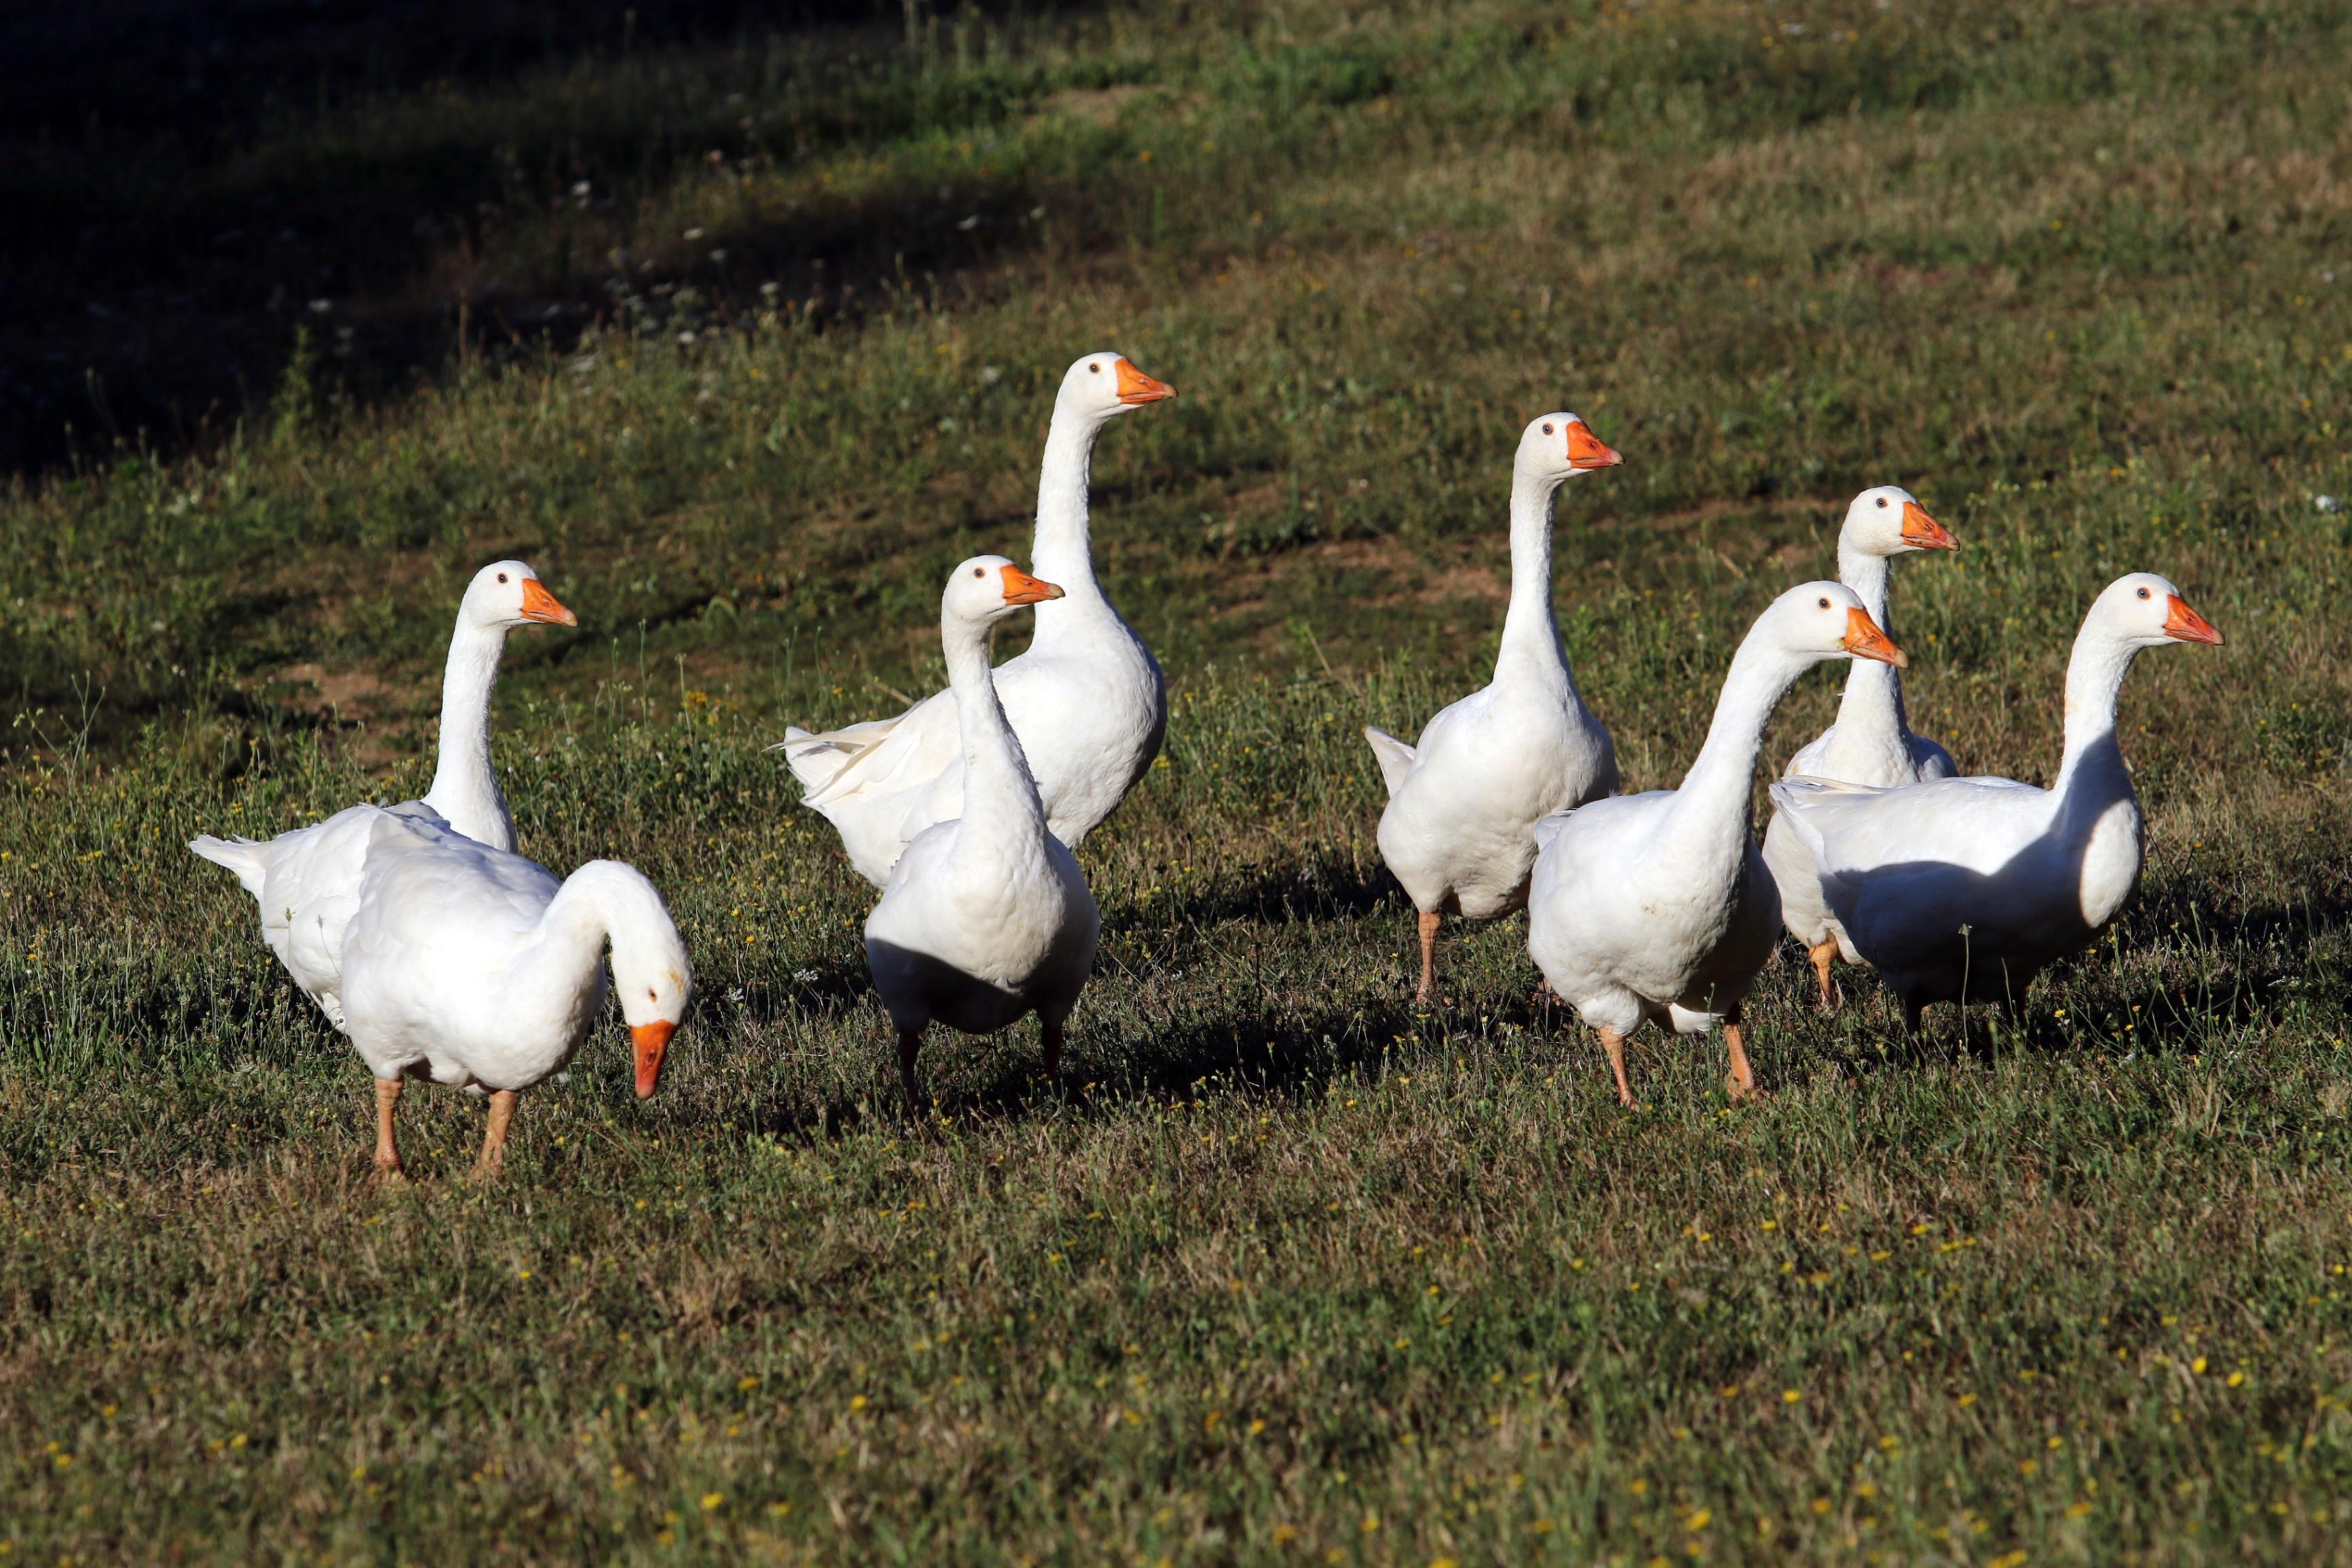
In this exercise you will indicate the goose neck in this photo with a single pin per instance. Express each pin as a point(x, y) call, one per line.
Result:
point(2094, 679)
point(1062, 551)
point(997, 789)
point(1712, 802)
point(463, 784)
point(1873, 703)
point(1531, 644)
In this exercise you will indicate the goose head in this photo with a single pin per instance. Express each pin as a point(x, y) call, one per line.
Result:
point(505, 594)
point(985, 589)
point(1825, 620)
point(1100, 387)
point(1888, 521)
point(2144, 610)
point(650, 974)
point(1557, 446)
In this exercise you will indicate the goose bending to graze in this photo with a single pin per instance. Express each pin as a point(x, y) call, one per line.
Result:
point(1657, 906)
point(307, 881)
point(1963, 889)
point(1465, 799)
point(474, 967)
point(987, 916)
point(1086, 698)
point(1871, 743)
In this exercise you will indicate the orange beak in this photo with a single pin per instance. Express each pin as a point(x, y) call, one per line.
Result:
point(539, 605)
point(1135, 387)
point(1921, 532)
point(2182, 623)
point(1020, 588)
point(649, 1043)
point(1586, 451)
point(1865, 640)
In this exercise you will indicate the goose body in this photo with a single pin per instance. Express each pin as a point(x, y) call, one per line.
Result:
point(476, 968)
point(1087, 699)
point(987, 917)
point(1459, 828)
point(306, 883)
point(1872, 741)
point(1658, 906)
point(1963, 889)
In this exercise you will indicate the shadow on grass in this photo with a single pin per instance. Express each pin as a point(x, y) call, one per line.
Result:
point(191, 185)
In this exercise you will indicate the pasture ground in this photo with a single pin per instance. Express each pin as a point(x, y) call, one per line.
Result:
point(1295, 1272)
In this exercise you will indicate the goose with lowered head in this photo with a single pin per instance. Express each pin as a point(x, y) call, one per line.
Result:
point(1871, 743)
point(474, 967)
point(1963, 889)
point(1657, 906)
point(307, 881)
point(1086, 697)
point(987, 917)
point(1463, 800)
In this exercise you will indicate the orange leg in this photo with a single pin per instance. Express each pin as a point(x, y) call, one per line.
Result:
point(1822, 953)
point(387, 1153)
point(1614, 1044)
point(494, 1140)
point(1741, 1085)
point(1428, 928)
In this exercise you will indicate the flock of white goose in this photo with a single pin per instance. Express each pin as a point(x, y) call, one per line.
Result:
point(444, 954)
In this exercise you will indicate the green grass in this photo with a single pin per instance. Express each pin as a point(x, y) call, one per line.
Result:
point(1299, 1273)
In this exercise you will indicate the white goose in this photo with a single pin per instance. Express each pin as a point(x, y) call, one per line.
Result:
point(1657, 906)
point(307, 881)
point(474, 967)
point(1963, 889)
point(1871, 743)
point(1086, 698)
point(987, 917)
point(1464, 801)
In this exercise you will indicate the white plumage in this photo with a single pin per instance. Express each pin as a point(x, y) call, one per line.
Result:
point(1464, 801)
point(1086, 698)
point(987, 916)
point(1963, 889)
point(1658, 906)
point(1871, 743)
point(476, 968)
point(306, 883)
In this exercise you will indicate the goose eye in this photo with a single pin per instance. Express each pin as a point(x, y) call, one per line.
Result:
point(1826, 604)
point(502, 577)
point(1546, 428)
point(1882, 503)
point(651, 994)
point(1094, 370)
point(980, 571)
point(2142, 593)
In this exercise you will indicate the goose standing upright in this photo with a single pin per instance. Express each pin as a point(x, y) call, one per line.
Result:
point(1963, 889)
point(306, 883)
point(1871, 743)
point(1086, 697)
point(987, 916)
point(474, 967)
point(1464, 801)
point(1657, 906)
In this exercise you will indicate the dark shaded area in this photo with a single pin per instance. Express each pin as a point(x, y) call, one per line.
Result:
point(191, 185)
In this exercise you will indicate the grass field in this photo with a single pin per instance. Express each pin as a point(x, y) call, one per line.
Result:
point(748, 338)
